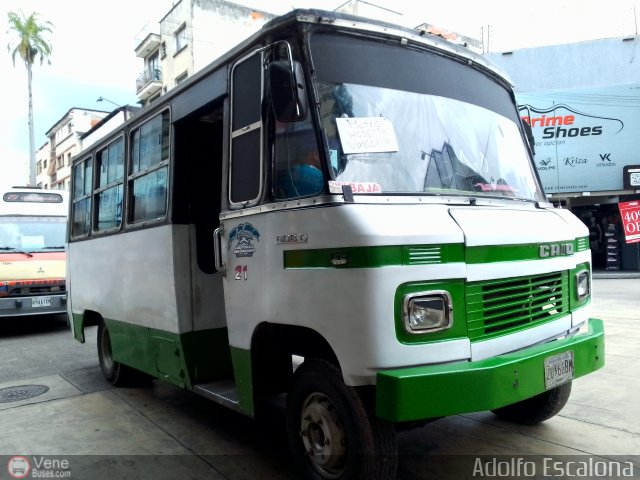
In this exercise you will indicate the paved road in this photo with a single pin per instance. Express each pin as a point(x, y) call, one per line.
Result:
point(163, 432)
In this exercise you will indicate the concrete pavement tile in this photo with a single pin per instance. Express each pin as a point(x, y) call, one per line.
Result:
point(447, 448)
point(93, 424)
point(622, 425)
point(476, 434)
point(569, 433)
point(192, 419)
point(606, 389)
point(621, 365)
point(57, 387)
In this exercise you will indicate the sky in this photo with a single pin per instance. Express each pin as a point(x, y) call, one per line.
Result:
point(94, 48)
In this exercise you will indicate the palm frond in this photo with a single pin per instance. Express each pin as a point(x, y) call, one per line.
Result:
point(29, 37)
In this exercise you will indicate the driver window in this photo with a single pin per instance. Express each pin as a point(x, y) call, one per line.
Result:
point(298, 172)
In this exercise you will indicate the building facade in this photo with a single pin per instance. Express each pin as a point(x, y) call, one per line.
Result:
point(109, 123)
point(53, 159)
point(192, 34)
point(582, 101)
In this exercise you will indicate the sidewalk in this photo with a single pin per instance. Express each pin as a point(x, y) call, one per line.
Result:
point(615, 274)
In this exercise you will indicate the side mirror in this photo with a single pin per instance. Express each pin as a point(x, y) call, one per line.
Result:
point(286, 85)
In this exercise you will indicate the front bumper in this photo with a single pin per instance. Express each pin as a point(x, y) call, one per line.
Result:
point(419, 393)
point(33, 305)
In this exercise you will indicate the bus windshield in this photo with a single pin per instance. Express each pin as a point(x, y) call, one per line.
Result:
point(32, 233)
point(391, 134)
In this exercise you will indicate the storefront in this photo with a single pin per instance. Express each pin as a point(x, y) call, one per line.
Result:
point(582, 101)
point(587, 152)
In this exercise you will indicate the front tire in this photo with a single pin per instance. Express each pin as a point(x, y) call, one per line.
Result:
point(331, 434)
point(116, 373)
point(536, 409)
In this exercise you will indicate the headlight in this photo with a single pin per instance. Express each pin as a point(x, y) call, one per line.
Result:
point(427, 312)
point(583, 285)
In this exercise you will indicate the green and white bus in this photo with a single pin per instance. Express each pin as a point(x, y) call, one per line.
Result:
point(344, 211)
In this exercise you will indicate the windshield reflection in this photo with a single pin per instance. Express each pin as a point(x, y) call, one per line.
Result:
point(32, 234)
point(409, 143)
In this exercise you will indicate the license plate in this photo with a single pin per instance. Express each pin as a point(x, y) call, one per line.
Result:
point(40, 302)
point(558, 369)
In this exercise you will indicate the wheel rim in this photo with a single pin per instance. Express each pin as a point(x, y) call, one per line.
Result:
point(105, 349)
point(323, 436)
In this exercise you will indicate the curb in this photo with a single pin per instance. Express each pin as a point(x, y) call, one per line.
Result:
point(615, 274)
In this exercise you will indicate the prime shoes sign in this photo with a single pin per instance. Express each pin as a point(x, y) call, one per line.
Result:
point(583, 137)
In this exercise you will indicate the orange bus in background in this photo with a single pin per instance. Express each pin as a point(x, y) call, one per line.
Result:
point(33, 226)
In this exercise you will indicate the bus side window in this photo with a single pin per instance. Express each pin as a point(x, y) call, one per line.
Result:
point(149, 167)
point(109, 185)
point(81, 197)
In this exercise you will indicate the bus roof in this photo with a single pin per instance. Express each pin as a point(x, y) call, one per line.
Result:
point(278, 25)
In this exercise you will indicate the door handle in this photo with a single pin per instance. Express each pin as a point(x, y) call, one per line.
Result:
point(217, 251)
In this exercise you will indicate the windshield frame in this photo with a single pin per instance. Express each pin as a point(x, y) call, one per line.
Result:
point(474, 85)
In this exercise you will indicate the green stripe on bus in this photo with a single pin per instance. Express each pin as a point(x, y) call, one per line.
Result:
point(373, 257)
point(514, 253)
point(182, 359)
point(398, 255)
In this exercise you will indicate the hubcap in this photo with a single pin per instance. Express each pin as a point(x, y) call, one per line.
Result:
point(323, 436)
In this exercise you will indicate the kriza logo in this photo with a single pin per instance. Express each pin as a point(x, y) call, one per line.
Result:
point(18, 467)
point(573, 161)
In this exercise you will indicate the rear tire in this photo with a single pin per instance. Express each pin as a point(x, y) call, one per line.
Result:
point(116, 373)
point(331, 434)
point(536, 409)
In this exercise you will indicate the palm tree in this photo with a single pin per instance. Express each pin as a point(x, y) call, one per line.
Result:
point(29, 44)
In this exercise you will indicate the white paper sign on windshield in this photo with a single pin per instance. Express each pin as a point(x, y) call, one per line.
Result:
point(366, 135)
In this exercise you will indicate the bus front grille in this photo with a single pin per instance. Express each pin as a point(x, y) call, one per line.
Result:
point(496, 307)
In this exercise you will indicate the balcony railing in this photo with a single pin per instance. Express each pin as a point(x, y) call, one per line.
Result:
point(148, 76)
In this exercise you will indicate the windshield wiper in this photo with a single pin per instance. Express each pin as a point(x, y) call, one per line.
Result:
point(53, 247)
point(14, 249)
